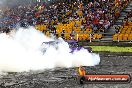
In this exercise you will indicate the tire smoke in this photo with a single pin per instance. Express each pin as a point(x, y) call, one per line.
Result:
point(21, 51)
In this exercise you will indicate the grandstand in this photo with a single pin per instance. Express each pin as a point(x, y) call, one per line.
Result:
point(101, 26)
point(124, 32)
point(89, 20)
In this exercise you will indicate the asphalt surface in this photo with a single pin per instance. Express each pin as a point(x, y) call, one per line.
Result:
point(66, 77)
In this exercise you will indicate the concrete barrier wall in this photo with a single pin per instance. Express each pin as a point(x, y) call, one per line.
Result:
point(115, 53)
point(123, 44)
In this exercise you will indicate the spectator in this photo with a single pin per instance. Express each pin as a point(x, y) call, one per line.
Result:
point(98, 14)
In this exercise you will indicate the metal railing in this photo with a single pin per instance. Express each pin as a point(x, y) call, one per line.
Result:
point(106, 37)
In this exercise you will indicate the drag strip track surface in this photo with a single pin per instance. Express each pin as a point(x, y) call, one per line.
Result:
point(65, 77)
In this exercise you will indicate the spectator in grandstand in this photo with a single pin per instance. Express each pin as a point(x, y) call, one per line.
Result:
point(97, 15)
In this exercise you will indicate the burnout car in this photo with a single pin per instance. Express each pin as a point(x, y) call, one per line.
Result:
point(73, 45)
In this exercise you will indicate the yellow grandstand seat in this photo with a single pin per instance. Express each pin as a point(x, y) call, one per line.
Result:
point(37, 27)
point(130, 26)
point(58, 31)
point(80, 38)
point(58, 35)
point(115, 37)
point(47, 33)
point(42, 27)
point(95, 36)
point(120, 37)
point(78, 23)
point(77, 29)
point(130, 37)
point(128, 30)
point(66, 31)
point(72, 23)
point(125, 37)
point(52, 22)
point(76, 37)
point(67, 36)
point(88, 30)
point(79, 13)
point(130, 23)
point(86, 36)
point(123, 31)
point(99, 36)
point(70, 30)
point(125, 26)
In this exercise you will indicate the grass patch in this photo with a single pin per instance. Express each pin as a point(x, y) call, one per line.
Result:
point(111, 48)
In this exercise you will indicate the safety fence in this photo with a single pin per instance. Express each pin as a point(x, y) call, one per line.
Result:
point(94, 37)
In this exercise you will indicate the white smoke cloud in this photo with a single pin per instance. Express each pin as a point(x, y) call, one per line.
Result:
point(2, 3)
point(21, 52)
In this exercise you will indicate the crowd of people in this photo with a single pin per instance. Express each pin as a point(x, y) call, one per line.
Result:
point(124, 31)
point(93, 16)
point(126, 21)
point(128, 18)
